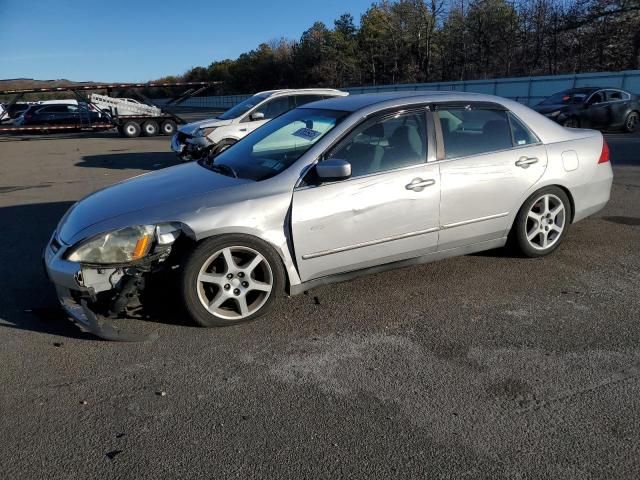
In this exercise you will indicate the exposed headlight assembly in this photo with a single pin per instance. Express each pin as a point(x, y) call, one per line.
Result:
point(203, 132)
point(125, 245)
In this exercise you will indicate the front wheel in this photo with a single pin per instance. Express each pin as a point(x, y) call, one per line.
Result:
point(542, 222)
point(231, 279)
point(631, 123)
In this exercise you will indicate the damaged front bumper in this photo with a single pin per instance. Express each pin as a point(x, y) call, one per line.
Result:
point(78, 287)
point(188, 147)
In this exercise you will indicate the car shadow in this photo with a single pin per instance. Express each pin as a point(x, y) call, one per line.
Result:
point(27, 299)
point(130, 160)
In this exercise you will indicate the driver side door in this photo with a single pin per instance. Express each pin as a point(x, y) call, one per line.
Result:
point(387, 211)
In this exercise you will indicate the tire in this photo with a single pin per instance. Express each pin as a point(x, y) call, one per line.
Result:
point(131, 129)
point(571, 122)
point(222, 146)
point(254, 285)
point(632, 122)
point(168, 127)
point(537, 230)
point(150, 128)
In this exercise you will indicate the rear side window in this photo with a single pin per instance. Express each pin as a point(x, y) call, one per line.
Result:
point(473, 132)
point(521, 134)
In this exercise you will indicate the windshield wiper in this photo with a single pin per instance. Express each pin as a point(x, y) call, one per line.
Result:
point(223, 169)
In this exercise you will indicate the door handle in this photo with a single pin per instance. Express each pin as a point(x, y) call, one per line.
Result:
point(524, 162)
point(418, 184)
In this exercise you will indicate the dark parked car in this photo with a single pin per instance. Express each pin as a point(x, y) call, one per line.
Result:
point(59, 114)
point(593, 107)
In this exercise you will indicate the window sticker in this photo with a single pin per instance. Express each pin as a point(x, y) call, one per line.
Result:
point(306, 133)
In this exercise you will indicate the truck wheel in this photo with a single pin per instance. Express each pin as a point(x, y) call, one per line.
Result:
point(131, 129)
point(168, 127)
point(150, 128)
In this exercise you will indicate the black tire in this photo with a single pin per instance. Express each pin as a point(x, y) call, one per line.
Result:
point(190, 285)
point(221, 146)
point(168, 127)
point(523, 225)
point(571, 122)
point(632, 122)
point(131, 129)
point(150, 128)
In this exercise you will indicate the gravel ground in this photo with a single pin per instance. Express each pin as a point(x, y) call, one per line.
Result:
point(484, 366)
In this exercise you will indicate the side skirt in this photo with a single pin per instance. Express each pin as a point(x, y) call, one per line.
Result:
point(432, 257)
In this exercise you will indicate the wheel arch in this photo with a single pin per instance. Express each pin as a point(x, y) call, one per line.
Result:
point(282, 250)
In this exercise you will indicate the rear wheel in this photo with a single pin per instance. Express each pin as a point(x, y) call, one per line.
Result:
point(131, 129)
point(168, 127)
point(150, 128)
point(632, 121)
point(542, 222)
point(232, 279)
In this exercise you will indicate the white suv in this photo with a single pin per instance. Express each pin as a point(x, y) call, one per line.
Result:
point(216, 134)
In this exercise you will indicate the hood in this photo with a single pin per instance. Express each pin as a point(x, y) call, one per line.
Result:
point(168, 185)
point(543, 109)
point(190, 128)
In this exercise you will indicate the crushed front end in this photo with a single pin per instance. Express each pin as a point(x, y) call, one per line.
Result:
point(98, 296)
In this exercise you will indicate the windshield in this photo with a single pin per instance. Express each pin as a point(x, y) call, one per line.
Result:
point(277, 145)
point(567, 97)
point(242, 107)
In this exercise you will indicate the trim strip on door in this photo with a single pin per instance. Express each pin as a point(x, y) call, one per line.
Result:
point(475, 220)
point(323, 253)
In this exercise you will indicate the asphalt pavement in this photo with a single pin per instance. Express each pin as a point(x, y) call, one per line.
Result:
point(483, 366)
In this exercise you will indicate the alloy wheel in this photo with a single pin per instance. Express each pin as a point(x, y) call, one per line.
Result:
point(545, 222)
point(235, 282)
point(632, 122)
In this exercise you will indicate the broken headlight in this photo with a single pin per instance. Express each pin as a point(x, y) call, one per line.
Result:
point(124, 245)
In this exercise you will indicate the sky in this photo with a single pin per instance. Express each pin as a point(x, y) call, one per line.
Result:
point(140, 40)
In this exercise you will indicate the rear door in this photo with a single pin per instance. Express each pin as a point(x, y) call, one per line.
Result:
point(386, 211)
point(491, 161)
point(619, 105)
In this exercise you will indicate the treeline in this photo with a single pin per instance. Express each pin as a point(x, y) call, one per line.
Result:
point(410, 41)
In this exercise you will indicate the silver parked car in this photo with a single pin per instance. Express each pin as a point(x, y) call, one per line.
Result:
point(325, 192)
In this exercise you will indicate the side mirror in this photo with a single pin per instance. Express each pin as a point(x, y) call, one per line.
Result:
point(257, 116)
point(333, 169)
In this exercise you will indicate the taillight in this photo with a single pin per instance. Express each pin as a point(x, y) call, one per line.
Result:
point(604, 156)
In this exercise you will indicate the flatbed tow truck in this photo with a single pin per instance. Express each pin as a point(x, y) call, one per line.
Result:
point(162, 121)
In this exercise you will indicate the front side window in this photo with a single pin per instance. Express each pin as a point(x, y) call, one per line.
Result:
point(274, 147)
point(243, 107)
point(275, 107)
point(472, 132)
point(385, 144)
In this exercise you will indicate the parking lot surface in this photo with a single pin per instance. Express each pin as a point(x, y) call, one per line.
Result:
point(484, 366)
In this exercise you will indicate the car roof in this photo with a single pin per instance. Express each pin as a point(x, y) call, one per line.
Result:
point(353, 103)
point(301, 91)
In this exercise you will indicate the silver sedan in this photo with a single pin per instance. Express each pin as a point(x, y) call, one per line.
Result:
point(326, 192)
